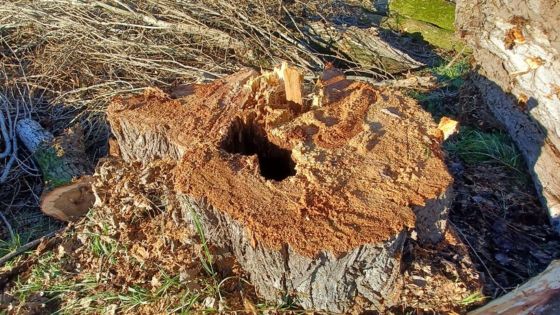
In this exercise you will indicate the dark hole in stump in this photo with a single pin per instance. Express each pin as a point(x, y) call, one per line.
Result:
point(248, 139)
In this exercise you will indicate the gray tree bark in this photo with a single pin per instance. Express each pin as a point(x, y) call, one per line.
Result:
point(517, 45)
point(539, 296)
point(325, 282)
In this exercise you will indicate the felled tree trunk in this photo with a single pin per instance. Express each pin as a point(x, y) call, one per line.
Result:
point(517, 44)
point(312, 194)
point(539, 296)
point(67, 193)
point(363, 46)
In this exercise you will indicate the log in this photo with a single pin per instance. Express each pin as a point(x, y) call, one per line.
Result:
point(363, 46)
point(315, 198)
point(539, 296)
point(67, 194)
point(517, 44)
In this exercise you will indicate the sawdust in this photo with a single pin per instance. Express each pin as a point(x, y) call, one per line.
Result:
point(356, 167)
point(438, 278)
point(136, 216)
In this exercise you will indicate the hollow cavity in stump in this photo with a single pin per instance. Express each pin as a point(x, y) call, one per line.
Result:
point(247, 139)
point(313, 198)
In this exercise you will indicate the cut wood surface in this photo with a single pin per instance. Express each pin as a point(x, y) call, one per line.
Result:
point(67, 193)
point(69, 202)
point(315, 202)
point(517, 45)
point(539, 296)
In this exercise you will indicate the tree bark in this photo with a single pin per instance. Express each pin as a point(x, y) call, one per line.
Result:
point(313, 199)
point(539, 296)
point(67, 193)
point(517, 44)
point(362, 46)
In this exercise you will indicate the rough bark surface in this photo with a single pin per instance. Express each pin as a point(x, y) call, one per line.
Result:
point(364, 46)
point(539, 296)
point(517, 45)
point(61, 159)
point(315, 199)
point(32, 134)
point(324, 282)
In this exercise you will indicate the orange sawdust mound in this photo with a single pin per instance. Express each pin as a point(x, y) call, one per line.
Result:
point(330, 174)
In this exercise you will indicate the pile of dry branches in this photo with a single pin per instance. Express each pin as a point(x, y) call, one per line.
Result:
point(83, 52)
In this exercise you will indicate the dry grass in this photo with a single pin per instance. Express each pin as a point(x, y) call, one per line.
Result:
point(83, 53)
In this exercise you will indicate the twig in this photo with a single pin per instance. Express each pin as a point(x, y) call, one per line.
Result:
point(5, 136)
point(455, 58)
point(11, 161)
point(220, 37)
point(388, 112)
point(8, 226)
point(8, 133)
point(24, 248)
point(50, 241)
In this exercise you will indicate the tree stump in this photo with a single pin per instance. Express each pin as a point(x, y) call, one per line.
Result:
point(517, 44)
point(315, 195)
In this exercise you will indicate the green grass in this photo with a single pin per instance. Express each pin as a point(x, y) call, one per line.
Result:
point(475, 147)
point(8, 246)
point(450, 78)
point(103, 245)
point(135, 296)
point(452, 75)
point(47, 278)
point(206, 258)
point(474, 298)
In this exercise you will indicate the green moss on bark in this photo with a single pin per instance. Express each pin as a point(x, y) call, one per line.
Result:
point(53, 167)
point(437, 12)
point(432, 34)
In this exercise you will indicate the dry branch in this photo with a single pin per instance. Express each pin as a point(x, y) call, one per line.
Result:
point(217, 37)
point(539, 296)
point(62, 160)
point(85, 53)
